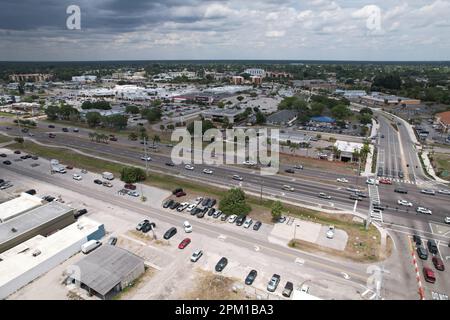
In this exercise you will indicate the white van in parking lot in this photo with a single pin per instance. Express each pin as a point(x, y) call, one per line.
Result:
point(89, 246)
point(108, 176)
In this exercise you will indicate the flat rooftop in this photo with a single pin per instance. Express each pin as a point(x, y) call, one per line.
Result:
point(31, 220)
point(224, 112)
point(16, 206)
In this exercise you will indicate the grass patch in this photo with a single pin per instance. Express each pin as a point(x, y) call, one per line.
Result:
point(441, 164)
point(7, 114)
point(4, 139)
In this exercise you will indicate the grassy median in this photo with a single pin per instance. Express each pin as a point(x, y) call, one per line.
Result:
point(367, 243)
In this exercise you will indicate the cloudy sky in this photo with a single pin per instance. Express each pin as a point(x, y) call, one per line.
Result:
point(226, 29)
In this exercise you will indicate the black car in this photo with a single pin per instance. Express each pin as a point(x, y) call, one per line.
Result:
point(97, 181)
point(257, 225)
point(34, 157)
point(65, 130)
point(51, 126)
point(432, 246)
point(240, 220)
point(7, 162)
point(147, 227)
point(422, 253)
point(195, 211)
point(177, 190)
point(417, 240)
point(355, 197)
point(24, 157)
point(49, 198)
point(3, 155)
point(170, 164)
point(174, 205)
point(168, 203)
point(205, 202)
point(378, 207)
point(399, 190)
point(289, 171)
point(212, 203)
point(112, 241)
point(400, 175)
point(80, 212)
point(288, 288)
point(221, 264)
point(211, 211)
point(31, 192)
point(25, 130)
point(170, 233)
point(251, 277)
point(17, 152)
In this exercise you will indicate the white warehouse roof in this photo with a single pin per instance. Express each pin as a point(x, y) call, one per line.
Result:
point(19, 205)
point(350, 147)
point(18, 266)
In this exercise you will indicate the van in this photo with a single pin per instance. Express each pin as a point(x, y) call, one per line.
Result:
point(90, 246)
point(108, 176)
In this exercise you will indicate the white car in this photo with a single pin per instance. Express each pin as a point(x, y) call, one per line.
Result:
point(77, 177)
point(146, 158)
point(249, 163)
point(343, 180)
point(236, 177)
point(352, 189)
point(133, 193)
point(447, 220)
point(189, 167)
point(423, 210)
point(31, 135)
point(187, 227)
point(208, 171)
point(287, 188)
point(198, 200)
point(248, 223)
point(444, 191)
point(324, 196)
point(191, 207)
point(330, 232)
point(305, 288)
point(182, 206)
point(372, 181)
point(196, 255)
point(232, 218)
point(404, 203)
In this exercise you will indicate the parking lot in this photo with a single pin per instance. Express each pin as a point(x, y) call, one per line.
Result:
point(173, 275)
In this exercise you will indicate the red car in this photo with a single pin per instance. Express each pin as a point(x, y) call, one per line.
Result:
point(429, 276)
point(385, 181)
point(180, 194)
point(183, 244)
point(69, 167)
point(130, 186)
point(438, 264)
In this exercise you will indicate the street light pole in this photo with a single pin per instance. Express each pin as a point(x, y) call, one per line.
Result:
point(295, 230)
point(145, 155)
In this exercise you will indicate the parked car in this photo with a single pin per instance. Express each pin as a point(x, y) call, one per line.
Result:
point(432, 246)
point(202, 213)
point(221, 264)
point(133, 193)
point(240, 220)
point(289, 171)
point(180, 194)
point(423, 210)
point(196, 255)
point(217, 214)
point(257, 225)
point(168, 203)
point(183, 244)
point(170, 233)
point(330, 232)
point(174, 205)
point(288, 288)
point(175, 191)
point(428, 191)
point(232, 218)
point(400, 190)
point(7, 162)
point(195, 211)
point(417, 240)
point(248, 223)
point(148, 226)
point(107, 184)
point(112, 241)
point(76, 177)
point(3, 155)
point(237, 177)
point(130, 186)
point(444, 191)
point(422, 253)
point(251, 277)
point(428, 274)
point(170, 164)
point(438, 263)
point(141, 224)
point(17, 152)
point(211, 212)
point(273, 283)
point(97, 181)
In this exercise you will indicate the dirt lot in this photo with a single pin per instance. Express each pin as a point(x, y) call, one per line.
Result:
point(334, 166)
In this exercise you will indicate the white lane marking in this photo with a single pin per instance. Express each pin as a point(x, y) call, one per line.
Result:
point(356, 204)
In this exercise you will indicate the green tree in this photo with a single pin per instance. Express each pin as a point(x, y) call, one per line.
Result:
point(132, 109)
point(93, 119)
point(277, 210)
point(52, 112)
point(260, 118)
point(132, 174)
point(206, 124)
point(340, 112)
point(132, 136)
point(156, 139)
point(162, 127)
point(234, 203)
point(221, 104)
point(170, 127)
point(92, 135)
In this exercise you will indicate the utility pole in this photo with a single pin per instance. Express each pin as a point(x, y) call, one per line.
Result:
point(145, 155)
point(261, 192)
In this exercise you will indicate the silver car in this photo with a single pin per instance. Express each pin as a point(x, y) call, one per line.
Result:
point(273, 283)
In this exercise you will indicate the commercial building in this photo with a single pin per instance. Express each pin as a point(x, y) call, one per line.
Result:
point(256, 80)
point(219, 115)
point(351, 94)
point(236, 80)
point(107, 271)
point(17, 206)
point(84, 79)
point(274, 74)
point(42, 220)
point(255, 72)
point(443, 119)
point(301, 139)
point(282, 118)
point(380, 99)
point(35, 77)
point(315, 84)
point(21, 107)
point(29, 260)
point(347, 149)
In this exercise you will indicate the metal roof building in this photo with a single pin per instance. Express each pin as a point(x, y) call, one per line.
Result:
point(108, 270)
point(283, 117)
point(15, 207)
point(29, 260)
point(40, 221)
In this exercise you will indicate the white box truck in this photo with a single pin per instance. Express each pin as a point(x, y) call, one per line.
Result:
point(90, 246)
point(108, 176)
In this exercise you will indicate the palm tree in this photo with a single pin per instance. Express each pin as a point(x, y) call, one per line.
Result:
point(156, 139)
point(92, 135)
point(132, 136)
point(336, 152)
